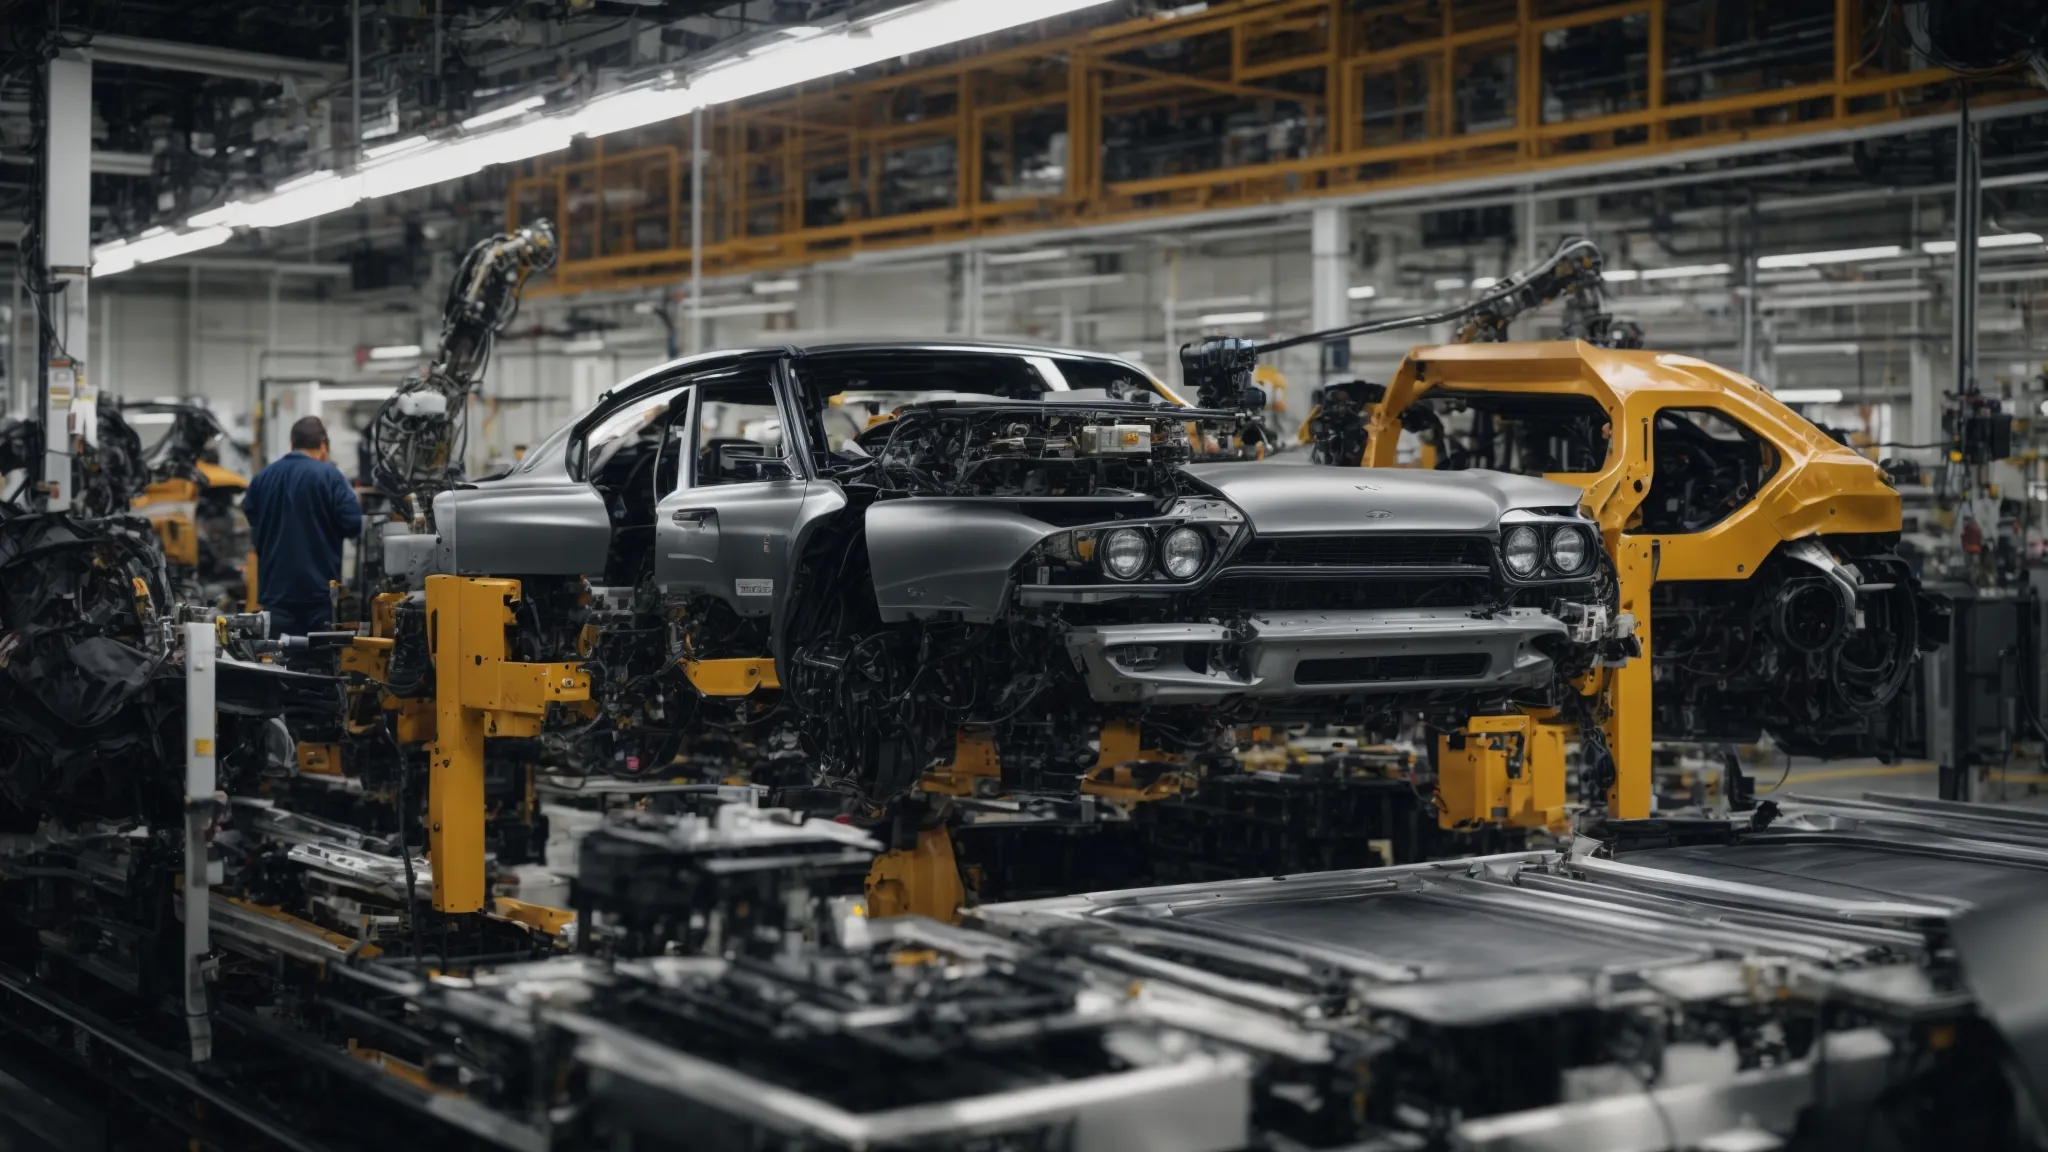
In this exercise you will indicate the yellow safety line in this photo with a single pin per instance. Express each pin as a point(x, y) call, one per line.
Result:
point(1813, 775)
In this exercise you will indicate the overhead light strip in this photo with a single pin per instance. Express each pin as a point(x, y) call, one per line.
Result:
point(1997, 240)
point(1836, 256)
point(793, 56)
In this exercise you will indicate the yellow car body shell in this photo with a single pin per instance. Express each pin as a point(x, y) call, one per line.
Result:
point(1817, 486)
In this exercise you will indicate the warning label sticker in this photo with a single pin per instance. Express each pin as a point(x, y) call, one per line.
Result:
point(754, 587)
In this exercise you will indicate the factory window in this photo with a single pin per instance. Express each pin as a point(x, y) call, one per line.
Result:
point(1706, 468)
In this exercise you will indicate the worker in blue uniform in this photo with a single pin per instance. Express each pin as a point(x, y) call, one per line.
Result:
point(301, 508)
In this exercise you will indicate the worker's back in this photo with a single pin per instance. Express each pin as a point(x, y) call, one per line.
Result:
point(300, 510)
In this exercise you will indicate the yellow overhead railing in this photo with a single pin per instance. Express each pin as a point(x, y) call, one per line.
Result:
point(1249, 102)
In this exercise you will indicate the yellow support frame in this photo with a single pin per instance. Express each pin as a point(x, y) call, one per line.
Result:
point(1325, 56)
point(1819, 487)
point(478, 694)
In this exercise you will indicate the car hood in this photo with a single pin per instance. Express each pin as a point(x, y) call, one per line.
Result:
point(1282, 501)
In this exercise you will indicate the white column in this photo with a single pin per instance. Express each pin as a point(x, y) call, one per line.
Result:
point(69, 395)
point(694, 342)
point(200, 782)
point(1330, 275)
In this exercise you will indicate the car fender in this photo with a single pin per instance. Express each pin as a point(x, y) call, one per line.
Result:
point(935, 557)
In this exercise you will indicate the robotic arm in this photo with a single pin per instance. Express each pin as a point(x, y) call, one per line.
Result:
point(1220, 370)
point(416, 439)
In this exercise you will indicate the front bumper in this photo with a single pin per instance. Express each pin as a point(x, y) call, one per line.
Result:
point(1282, 654)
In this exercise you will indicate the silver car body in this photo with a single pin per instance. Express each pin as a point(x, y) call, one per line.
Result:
point(959, 558)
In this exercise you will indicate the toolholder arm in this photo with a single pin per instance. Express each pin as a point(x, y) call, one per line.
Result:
point(1220, 369)
point(416, 438)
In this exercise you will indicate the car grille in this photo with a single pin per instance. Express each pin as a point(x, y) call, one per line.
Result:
point(1380, 669)
point(1237, 595)
point(1369, 551)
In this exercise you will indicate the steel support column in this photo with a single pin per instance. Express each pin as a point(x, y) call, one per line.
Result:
point(69, 401)
point(201, 771)
point(1330, 307)
point(1969, 206)
point(695, 343)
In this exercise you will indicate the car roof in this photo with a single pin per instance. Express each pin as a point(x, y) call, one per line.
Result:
point(948, 344)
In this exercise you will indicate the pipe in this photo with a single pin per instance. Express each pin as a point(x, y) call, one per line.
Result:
point(355, 77)
point(176, 57)
point(1969, 204)
point(696, 341)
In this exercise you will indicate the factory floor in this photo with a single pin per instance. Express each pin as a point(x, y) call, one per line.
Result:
point(42, 1110)
point(2023, 786)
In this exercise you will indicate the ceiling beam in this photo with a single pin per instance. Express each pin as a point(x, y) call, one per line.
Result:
point(209, 61)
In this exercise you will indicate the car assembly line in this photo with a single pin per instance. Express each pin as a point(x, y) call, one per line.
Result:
point(748, 646)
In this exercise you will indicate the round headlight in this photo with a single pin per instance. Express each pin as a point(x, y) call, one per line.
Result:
point(1568, 550)
point(1124, 554)
point(1522, 550)
point(1182, 553)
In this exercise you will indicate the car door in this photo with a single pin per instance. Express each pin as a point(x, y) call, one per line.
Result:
point(726, 529)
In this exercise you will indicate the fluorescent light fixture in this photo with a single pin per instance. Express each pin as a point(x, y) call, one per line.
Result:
point(775, 308)
point(1843, 300)
point(901, 32)
point(1448, 284)
point(1483, 282)
point(1034, 256)
point(315, 194)
point(409, 144)
point(635, 108)
point(1997, 240)
point(510, 111)
point(791, 57)
point(1226, 319)
point(583, 347)
point(1842, 348)
point(1809, 396)
point(356, 394)
point(1021, 287)
point(1619, 275)
point(1362, 292)
point(1836, 256)
point(776, 287)
point(1207, 302)
point(1686, 271)
point(153, 245)
point(396, 352)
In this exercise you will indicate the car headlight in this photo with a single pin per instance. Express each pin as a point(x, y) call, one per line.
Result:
point(1182, 553)
point(1568, 550)
point(1124, 554)
point(1522, 550)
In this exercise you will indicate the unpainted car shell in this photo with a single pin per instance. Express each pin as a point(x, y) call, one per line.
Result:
point(957, 558)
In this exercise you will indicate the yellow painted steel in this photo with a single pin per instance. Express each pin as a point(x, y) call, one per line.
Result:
point(974, 770)
point(219, 477)
point(171, 507)
point(1817, 487)
point(539, 917)
point(478, 694)
point(1380, 83)
point(320, 760)
point(919, 881)
point(732, 677)
point(1502, 770)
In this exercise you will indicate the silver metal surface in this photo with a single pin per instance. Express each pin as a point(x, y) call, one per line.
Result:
point(1683, 1116)
point(200, 783)
point(1263, 657)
